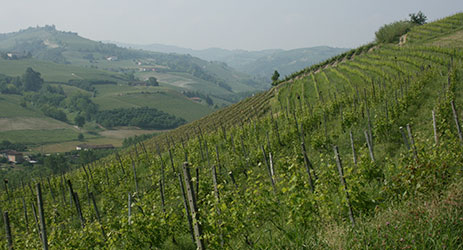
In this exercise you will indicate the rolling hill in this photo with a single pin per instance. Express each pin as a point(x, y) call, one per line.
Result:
point(362, 151)
point(260, 64)
point(189, 87)
point(48, 44)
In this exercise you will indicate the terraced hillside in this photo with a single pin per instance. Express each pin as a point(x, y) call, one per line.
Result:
point(362, 151)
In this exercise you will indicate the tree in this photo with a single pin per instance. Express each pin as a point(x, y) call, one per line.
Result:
point(209, 100)
point(32, 80)
point(80, 137)
point(418, 18)
point(152, 81)
point(275, 77)
point(79, 120)
point(391, 33)
point(87, 156)
point(57, 163)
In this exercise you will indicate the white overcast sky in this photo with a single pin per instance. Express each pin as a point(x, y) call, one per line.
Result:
point(231, 24)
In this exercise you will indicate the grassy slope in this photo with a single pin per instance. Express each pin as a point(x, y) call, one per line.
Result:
point(165, 98)
point(398, 201)
point(28, 125)
point(55, 72)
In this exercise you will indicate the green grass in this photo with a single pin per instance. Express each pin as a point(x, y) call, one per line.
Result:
point(167, 101)
point(71, 90)
point(434, 221)
point(42, 136)
point(55, 72)
point(9, 107)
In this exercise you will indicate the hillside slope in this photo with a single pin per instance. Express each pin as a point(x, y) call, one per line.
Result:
point(190, 88)
point(346, 154)
point(48, 44)
point(260, 64)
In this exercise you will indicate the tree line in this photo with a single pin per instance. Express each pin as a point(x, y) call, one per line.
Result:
point(144, 117)
point(55, 103)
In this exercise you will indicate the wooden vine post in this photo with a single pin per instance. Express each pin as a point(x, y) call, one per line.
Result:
point(120, 163)
point(75, 198)
point(370, 148)
point(307, 162)
point(343, 182)
point(5, 182)
point(129, 206)
point(42, 218)
point(192, 203)
point(9, 237)
point(354, 154)
point(51, 189)
point(412, 141)
point(97, 213)
point(25, 212)
point(214, 180)
point(34, 212)
point(269, 170)
point(434, 125)
point(272, 169)
point(135, 176)
point(161, 189)
point(457, 122)
point(185, 204)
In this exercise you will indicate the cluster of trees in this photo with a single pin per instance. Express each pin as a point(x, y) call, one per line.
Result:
point(129, 141)
point(147, 118)
point(207, 98)
point(53, 102)
point(54, 112)
point(5, 144)
point(30, 81)
point(88, 84)
point(152, 81)
point(391, 33)
point(83, 105)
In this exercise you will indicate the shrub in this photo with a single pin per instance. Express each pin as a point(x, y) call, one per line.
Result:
point(391, 33)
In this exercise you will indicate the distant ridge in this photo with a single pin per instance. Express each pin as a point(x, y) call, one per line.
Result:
point(259, 63)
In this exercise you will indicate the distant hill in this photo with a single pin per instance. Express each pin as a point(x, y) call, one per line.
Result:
point(110, 78)
point(288, 61)
point(48, 44)
point(260, 63)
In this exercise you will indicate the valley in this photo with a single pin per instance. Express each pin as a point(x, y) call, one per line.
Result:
point(361, 150)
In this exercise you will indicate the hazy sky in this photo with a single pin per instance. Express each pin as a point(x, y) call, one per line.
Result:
point(232, 24)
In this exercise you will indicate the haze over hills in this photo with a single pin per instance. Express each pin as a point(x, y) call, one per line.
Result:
point(260, 63)
point(47, 43)
point(108, 77)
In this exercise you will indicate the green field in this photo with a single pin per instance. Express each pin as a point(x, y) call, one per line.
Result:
point(55, 72)
point(164, 100)
point(45, 136)
point(114, 137)
point(64, 56)
point(10, 107)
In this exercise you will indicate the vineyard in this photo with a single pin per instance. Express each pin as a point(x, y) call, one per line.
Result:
point(362, 151)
